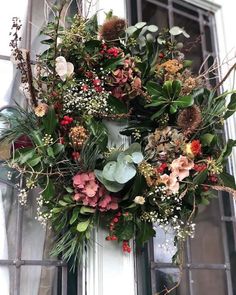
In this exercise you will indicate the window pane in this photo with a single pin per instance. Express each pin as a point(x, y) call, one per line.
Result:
point(9, 203)
point(168, 278)
point(154, 14)
point(36, 242)
point(9, 10)
point(209, 282)
point(208, 248)
point(39, 280)
point(6, 68)
point(193, 49)
point(163, 245)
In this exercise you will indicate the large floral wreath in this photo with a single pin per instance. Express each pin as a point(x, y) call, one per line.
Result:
point(90, 75)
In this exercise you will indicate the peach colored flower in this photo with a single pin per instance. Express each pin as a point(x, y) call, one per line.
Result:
point(181, 166)
point(41, 110)
point(171, 182)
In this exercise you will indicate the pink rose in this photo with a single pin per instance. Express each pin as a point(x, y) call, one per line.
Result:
point(181, 166)
point(171, 182)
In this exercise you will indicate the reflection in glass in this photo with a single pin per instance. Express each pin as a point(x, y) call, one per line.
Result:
point(205, 281)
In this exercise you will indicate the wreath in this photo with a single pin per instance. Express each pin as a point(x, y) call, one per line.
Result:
point(87, 77)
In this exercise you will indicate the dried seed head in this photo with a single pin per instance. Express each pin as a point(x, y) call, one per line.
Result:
point(189, 119)
point(113, 28)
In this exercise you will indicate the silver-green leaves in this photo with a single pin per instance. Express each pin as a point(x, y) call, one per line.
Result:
point(118, 172)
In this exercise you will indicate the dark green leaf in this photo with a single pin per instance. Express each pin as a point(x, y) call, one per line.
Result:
point(82, 226)
point(231, 107)
point(50, 121)
point(49, 190)
point(201, 177)
point(228, 180)
point(184, 101)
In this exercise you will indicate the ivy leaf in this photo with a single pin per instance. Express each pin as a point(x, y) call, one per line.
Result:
point(82, 226)
point(34, 161)
point(145, 232)
point(49, 190)
point(58, 148)
point(26, 154)
point(201, 177)
point(125, 231)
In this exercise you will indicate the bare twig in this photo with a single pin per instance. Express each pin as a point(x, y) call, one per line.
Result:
point(226, 76)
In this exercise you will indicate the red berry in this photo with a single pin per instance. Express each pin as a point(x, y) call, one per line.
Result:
point(108, 238)
point(161, 55)
point(115, 220)
point(113, 238)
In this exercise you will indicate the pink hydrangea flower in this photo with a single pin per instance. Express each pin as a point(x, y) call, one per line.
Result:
point(91, 193)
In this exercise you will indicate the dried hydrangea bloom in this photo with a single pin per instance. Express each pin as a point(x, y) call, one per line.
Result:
point(171, 66)
point(165, 140)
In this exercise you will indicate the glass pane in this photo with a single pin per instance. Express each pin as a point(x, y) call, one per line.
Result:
point(231, 235)
point(208, 37)
point(37, 242)
point(8, 216)
point(39, 280)
point(154, 14)
point(192, 49)
point(168, 278)
point(10, 9)
point(6, 68)
point(209, 282)
point(185, 9)
point(208, 248)
point(163, 245)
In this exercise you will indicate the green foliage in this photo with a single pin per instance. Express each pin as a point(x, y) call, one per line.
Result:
point(167, 96)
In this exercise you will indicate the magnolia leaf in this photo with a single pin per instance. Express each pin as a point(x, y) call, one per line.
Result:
point(184, 101)
point(82, 226)
point(137, 157)
point(109, 170)
point(152, 28)
point(153, 88)
point(124, 173)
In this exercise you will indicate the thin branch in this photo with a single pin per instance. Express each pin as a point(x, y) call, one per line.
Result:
point(226, 76)
point(30, 80)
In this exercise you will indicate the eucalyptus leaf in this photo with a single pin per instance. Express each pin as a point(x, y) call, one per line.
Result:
point(140, 25)
point(137, 157)
point(124, 173)
point(152, 28)
point(109, 170)
point(130, 30)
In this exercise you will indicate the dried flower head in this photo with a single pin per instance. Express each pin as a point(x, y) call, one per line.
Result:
point(171, 66)
point(41, 110)
point(78, 136)
point(189, 119)
point(113, 28)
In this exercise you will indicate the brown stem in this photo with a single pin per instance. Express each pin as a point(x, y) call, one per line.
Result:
point(226, 76)
point(30, 80)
